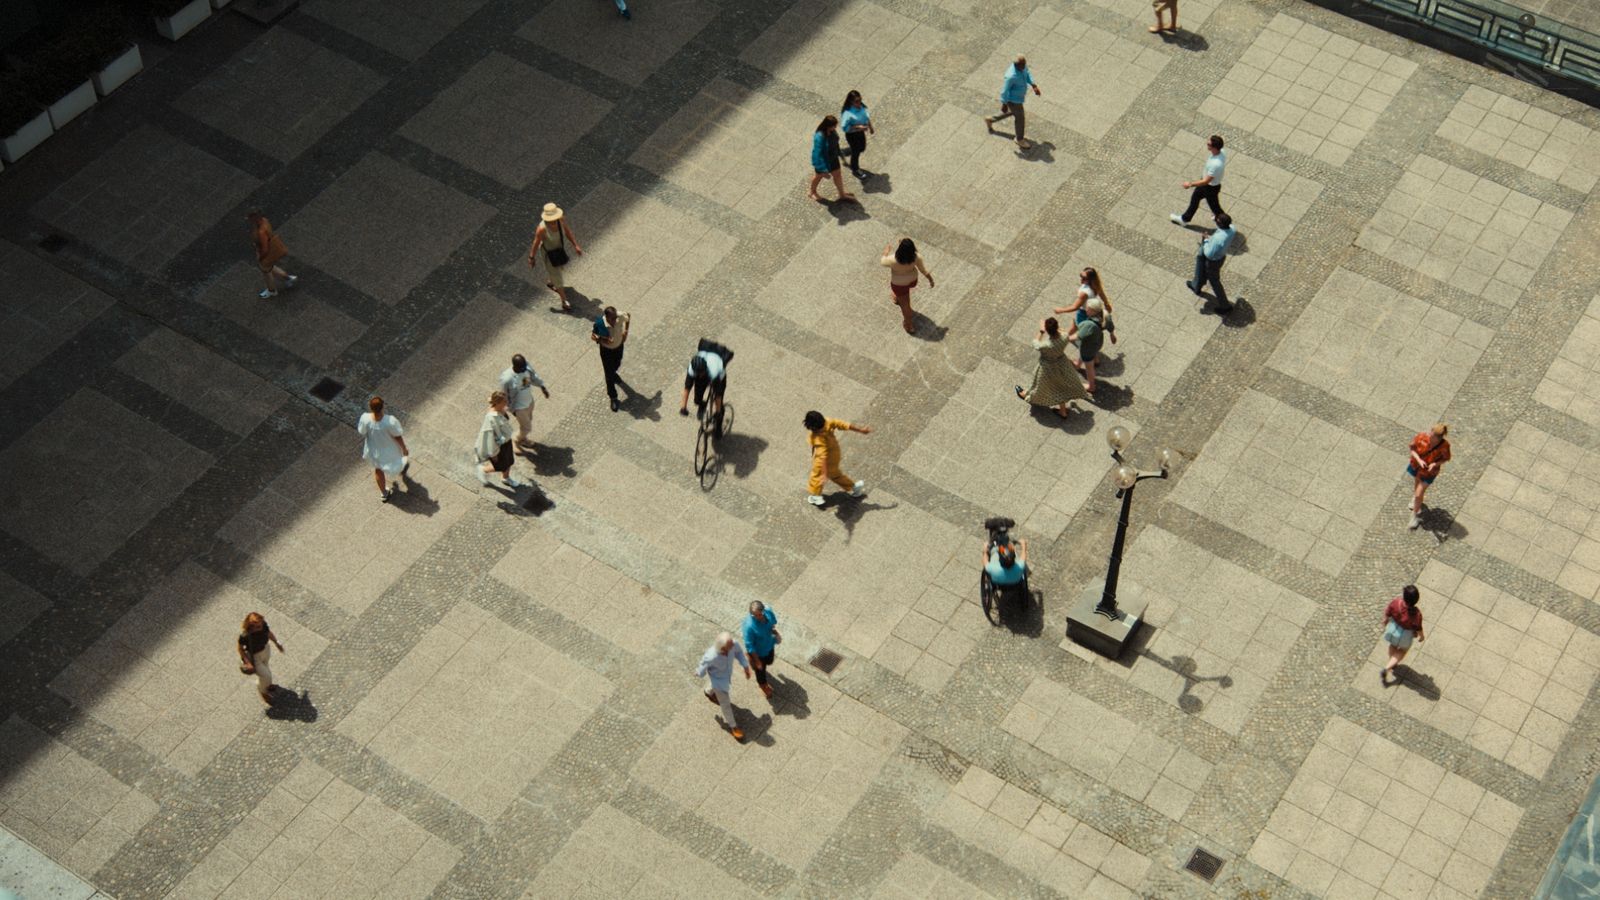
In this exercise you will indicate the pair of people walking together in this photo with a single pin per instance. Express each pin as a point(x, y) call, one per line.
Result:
point(761, 639)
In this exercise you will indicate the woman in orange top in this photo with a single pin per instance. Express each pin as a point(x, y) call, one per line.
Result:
point(1429, 451)
point(269, 252)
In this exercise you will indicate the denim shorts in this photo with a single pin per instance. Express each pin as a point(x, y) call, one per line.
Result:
point(1397, 636)
point(1412, 471)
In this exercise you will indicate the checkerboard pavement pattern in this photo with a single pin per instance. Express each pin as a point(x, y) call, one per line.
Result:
point(1296, 484)
point(1313, 91)
point(833, 47)
point(628, 52)
point(1346, 343)
point(1465, 230)
point(44, 308)
point(1069, 855)
point(1266, 202)
point(1525, 136)
point(1534, 507)
point(1572, 383)
point(1365, 817)
point(1219, 633)
point(1500, 673)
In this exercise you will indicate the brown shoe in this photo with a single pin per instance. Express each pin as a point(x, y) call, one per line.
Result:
point(738, 734)
point(713, 698)
point(767, 689)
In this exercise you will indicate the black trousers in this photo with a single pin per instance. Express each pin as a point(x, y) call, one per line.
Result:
point(858, 145)
point(610, 362)
point(1207, 271)
point(761, 670)
point(1208, 193)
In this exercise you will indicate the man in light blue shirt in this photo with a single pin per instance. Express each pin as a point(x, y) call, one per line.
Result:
point(1208, 262)
point(718, 664)
point(1013, 93)
point(1209, 187)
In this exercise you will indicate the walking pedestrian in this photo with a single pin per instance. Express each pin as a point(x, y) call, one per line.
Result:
point(518, 383)
point(1014, 93)
point(825, 159)
point(825, 456)
point(1168, 6)
point(904, 264)
point(1402, 621)
point(1089, 334)
point(1208, 262)
point(269, 252)
point(717, 663)
point(1054, 382)
point(1429, 451)
point(761, 639)
point(610, 332)
point(1089, 285)
point(622, 9)
point(254, 653)
point(857, 124)
point(383, 444)
point(550, 240)
point(494, 452)
point(1209, 187)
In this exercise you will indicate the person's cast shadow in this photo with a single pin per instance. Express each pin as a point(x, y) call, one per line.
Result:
point(415, 499)
point(288, 706)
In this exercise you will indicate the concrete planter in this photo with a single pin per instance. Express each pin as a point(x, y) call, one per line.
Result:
point(26, 138)
point(74, 104)
point(184, 20)
point(118, 71)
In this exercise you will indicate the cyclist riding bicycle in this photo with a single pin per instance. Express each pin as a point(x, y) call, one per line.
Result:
point(707, 375)
point(1005, 562)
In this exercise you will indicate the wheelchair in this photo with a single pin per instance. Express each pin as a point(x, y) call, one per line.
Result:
point(991, 595)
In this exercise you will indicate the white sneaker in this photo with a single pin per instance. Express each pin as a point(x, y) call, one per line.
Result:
point(1415, 521)
point(266, 294)
point(290, 280)
point(483, 477)
point(511, 482)
point(859, 489)
point(1177, 219)
point(814, 499)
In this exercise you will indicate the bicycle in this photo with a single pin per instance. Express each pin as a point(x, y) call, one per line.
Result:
point(707, 463)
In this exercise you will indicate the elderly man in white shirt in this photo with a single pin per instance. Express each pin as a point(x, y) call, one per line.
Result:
point(718, 664)
point(518, 382)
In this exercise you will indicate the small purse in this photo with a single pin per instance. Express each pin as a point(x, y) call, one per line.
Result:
point(558, 256)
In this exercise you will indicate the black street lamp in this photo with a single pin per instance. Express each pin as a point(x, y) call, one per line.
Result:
point(1127, 477)
point(1103, 626)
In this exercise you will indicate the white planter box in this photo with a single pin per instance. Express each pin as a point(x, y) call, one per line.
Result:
point(184, 20)
point(118, 71)
point(73, 105)
point(27, 137)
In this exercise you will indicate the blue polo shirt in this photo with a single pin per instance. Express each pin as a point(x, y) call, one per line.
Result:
point(1215, 246)
point(1016, 86)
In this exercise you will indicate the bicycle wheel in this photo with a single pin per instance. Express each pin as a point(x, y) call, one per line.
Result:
point(702, 451)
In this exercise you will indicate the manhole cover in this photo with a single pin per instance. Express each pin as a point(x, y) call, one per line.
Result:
point(327, 389)
point(53, 243)
point(826, 661)
point(1204, 864)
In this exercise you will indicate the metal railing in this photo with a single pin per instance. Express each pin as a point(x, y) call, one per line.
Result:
point(1547, 46)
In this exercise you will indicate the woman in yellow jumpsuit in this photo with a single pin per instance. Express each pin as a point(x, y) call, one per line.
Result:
point(825, 456)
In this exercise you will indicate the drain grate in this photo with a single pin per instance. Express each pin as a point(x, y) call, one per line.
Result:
point(1204, 864)
point(53, 243)
point(327, 389)
point(826, 661)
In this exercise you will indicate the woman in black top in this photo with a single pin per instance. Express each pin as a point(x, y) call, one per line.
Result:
point(254, 635)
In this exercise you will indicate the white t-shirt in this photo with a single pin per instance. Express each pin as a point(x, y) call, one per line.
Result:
point(713, 365)
point(1215, 164)
point(379, 446)
point(519, 387)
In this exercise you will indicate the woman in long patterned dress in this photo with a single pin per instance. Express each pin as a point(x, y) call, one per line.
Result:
point(1055, 384)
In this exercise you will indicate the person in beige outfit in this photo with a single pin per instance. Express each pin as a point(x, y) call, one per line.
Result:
point(551, 240)
point(904, 264)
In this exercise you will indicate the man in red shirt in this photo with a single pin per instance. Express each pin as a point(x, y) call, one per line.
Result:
point(1429, 451)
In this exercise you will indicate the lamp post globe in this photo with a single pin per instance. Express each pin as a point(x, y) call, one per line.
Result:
point(1127, 477)
point(1118, 437)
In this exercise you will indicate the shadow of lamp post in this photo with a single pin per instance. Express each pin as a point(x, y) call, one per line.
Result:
point(1099, 623)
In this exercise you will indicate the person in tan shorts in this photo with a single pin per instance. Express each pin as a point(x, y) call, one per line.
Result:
point(1171, 7)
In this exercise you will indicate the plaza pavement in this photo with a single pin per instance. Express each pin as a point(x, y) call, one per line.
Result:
point(493, 692)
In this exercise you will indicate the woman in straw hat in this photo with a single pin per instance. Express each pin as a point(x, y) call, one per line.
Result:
point(553, 237)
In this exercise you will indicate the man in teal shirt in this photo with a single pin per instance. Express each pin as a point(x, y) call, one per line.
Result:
point(1208, 262)
point(761, 641)
point(1013, 93)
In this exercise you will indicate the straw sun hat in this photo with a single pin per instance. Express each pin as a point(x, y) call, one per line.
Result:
point(551, 212)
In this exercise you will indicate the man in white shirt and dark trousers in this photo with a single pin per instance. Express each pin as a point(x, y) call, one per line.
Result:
point(1208, 263)
point(1209, 187)
point(518, 382)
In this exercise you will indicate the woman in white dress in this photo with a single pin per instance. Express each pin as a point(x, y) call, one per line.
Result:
point(494, 451)
point(383, 445)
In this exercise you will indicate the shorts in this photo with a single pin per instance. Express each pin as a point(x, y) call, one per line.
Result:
point(1412, 471)
point(902, 291)
point(1397, 636)
point(1164, 4)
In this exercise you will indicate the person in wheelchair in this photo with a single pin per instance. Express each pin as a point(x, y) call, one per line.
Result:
point(1005, 562)
point(707, 375)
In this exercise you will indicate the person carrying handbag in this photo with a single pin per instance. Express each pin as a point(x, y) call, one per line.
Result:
point(254, 653)
point(550, 239)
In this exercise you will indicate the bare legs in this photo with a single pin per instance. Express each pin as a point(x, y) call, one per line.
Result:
point(838, 183)
point(1395, 655)
point(271, 276)
point(1418, 488)
point(907, 319)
